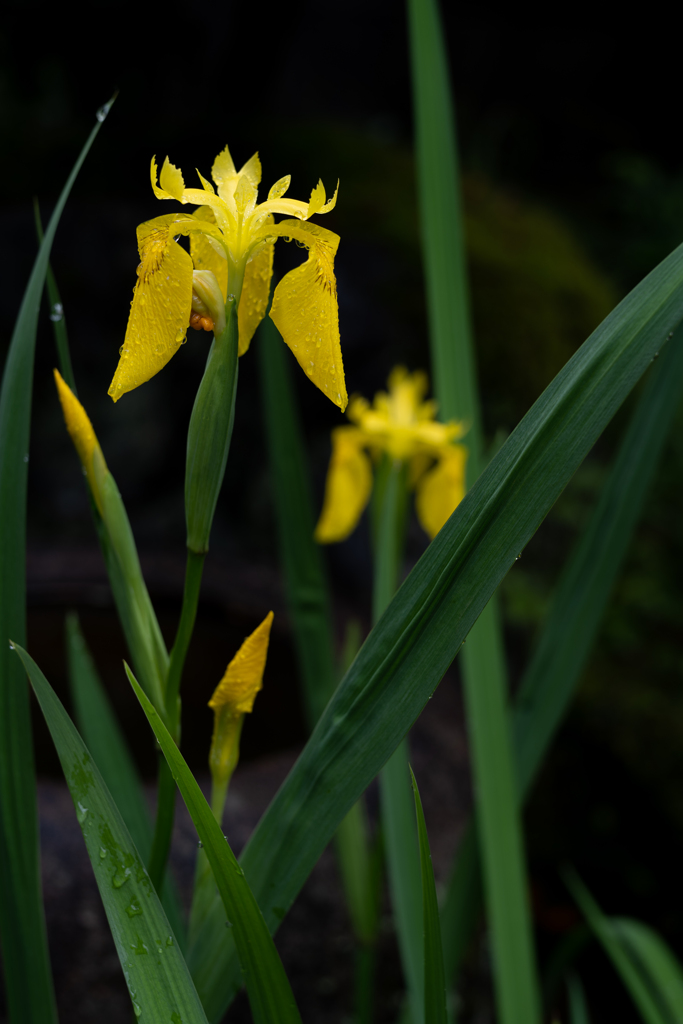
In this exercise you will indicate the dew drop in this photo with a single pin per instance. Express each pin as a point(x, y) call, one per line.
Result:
point(169, 940)
point(57, 313)
point(11, 646)
point(81, 812)
point(200, 844)
point(101, 115)
point(103, 853)
point(25, 458)
point(134, 909)
point(137, 1009)
point(120, 877)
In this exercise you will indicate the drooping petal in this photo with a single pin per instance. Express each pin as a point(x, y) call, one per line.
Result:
point(254, 298)
point(160, 310)
point(305, 309)
point(208, 256)
point(442, 489)
point(82, 434)
point(244, 675)
point(347, 488)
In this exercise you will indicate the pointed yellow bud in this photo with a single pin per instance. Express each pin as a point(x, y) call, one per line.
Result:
point(232, 699)
point(83, 437)
point(244, 675)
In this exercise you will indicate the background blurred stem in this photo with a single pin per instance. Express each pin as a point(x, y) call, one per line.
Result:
point(483, 666)
point(397, 804)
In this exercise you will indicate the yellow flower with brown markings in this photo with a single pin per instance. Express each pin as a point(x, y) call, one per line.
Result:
point(232, 237)
point(404, 427)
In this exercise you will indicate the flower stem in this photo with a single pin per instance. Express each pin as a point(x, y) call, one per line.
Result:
point(188, 614)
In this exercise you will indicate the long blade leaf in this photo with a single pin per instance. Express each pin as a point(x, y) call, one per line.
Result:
point(270, 995)
point(570, 630)
point(28, 981)
point(407, 653)
point(101, 731)
point(157, 976)
point(434, 974)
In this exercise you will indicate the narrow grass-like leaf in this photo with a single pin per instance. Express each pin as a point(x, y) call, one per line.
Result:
point(306, 586)
point(270, 995)
point(158, 980)
point(22, 929)
point(100, 729)
point(576, 1001)
point(455, 386)
point(412, 645)
point(656, 961)
point(570, 629)
point(647, 967)
point(56, 314)
point(434, 975)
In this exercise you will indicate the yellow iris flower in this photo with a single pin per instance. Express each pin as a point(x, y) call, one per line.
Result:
point(232, 237)
point(402, 425)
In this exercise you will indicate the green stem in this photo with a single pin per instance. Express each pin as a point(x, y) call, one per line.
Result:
point(397, 807)
point(163, 827)
point(188, 614)
point(364, 981)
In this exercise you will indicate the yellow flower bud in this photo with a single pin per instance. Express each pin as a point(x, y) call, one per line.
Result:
point(84, 439)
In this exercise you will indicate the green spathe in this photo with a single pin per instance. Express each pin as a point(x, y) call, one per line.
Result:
point(209, 433)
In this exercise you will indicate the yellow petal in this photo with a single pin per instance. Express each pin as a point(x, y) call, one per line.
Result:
point(347, 488)
point(317, 202)
point(81, 432)
point(441, 489)
point(170, 180)
point(252, 170)
point(160, 310)
point(245, 196)
point(206, 185)
point(244, 675)
point(254, 298)
point(305, 309)
point(280, 187)
point(223, 170)
point(205, 255)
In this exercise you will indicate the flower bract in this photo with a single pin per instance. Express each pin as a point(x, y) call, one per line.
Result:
point(232, 236)
point(403, 426)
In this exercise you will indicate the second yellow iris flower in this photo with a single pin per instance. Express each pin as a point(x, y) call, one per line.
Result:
point(403, 426)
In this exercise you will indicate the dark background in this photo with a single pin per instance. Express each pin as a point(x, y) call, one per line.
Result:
point(573, 190)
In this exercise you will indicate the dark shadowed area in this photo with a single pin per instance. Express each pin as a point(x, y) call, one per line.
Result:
point(573, 190)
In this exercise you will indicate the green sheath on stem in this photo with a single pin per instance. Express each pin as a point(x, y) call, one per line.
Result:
point(209, 433)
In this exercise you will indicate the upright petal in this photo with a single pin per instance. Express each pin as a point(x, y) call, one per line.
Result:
point(205, 255)
point(305, 308)
point(254, 298)
point(160, 310)
point(442, 489)
point(347, 488)
point(171, 180)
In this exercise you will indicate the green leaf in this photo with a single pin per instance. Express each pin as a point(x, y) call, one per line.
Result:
point(434, 975)
point(28, 981)
point(156, 974)
point(56, 314)
point(306, 588)
point(270, 995)
point(571, 627)
point(576, 999)
point(412, 645)
point(647, 966)
point(455, 386)
point(101, 731)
